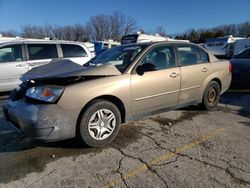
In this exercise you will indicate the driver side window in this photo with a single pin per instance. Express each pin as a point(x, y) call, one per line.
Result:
point(161, 57)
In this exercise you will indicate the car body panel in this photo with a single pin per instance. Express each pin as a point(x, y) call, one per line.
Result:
point(161, 95)
point(37, 121)
point(241, 72)
point(192, 79)
point(11, 73)
point(118, 86)
point(63, 68)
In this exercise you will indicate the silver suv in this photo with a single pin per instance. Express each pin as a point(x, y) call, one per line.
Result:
point(20, 55)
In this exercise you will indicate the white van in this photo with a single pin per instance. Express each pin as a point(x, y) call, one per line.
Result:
point(17, 56)
point(241, 45)
point(139, 38)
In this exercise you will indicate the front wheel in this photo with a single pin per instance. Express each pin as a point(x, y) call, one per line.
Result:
point(100, 123)
point(211, 96)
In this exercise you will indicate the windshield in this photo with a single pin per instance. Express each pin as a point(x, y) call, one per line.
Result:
point(120, 56)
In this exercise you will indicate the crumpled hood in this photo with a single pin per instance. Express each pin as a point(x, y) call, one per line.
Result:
point(63, 68)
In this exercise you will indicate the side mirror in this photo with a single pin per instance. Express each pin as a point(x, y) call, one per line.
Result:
point(141, 69)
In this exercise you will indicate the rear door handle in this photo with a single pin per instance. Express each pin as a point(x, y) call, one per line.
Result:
point(174, 75)
point(205, 69)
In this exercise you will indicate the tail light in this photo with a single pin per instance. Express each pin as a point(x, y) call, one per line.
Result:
point(230, 67)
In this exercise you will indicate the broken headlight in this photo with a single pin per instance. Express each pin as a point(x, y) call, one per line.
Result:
point(45, 93)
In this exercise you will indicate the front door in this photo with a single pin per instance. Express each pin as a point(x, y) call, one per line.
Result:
point(158, 87)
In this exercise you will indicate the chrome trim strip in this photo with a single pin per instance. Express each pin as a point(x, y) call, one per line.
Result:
point(166, 93)
point(157, 95)
point(188, 88)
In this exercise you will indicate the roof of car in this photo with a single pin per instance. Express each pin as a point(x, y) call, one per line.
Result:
point(22, 40)
point(155, 42)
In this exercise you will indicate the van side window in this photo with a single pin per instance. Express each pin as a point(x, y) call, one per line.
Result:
point(161, 57)
point(42, 51)
point(191, 55)
point(12, 53)
point(71, 50)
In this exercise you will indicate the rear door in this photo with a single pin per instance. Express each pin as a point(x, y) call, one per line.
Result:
point(76, 53)
point(40, 53)
point(157, 88)
point(12, 66)
point(195, 68)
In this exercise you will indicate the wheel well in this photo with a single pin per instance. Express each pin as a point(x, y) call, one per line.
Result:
point(116, 101)
point(218, 81)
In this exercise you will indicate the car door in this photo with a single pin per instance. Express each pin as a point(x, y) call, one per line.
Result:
point(12, 66)
point(195, 68)
point(157, 85)
point(40, 53)
point(75, 53)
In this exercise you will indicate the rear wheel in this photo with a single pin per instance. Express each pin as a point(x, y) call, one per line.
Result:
point(211, 96)
point(100, 123)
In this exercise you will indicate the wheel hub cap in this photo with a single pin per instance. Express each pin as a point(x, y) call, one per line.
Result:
point(102, 124)
point(211, 95)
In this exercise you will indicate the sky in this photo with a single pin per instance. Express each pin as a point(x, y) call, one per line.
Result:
point(175, 16)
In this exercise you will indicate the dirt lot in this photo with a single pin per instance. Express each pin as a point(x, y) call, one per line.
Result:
point(181, 148)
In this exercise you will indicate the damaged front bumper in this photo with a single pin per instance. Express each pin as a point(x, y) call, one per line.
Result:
point(46, 122)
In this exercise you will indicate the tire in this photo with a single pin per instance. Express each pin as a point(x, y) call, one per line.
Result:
point(99, 123)
point(211, 96)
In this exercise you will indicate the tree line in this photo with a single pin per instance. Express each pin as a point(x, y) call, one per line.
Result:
point(115, 25)
point(200, 35)
point(99, 28)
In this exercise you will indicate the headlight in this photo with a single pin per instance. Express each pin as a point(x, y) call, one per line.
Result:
point(45, 93)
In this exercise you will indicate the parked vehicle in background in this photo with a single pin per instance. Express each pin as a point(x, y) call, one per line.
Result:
point(221, 47)
point(101, 46)
point(91, 47)
point(240, 45)
point(122, 84)
point(17, 56)
point(241, 69)
point(140, 38)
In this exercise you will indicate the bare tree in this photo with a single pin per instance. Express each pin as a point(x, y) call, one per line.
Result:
point(99, 26)
point(130, 26)
point(9, 33)
point(161, 31)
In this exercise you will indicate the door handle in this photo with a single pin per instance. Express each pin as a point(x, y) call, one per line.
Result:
point(174, 75)
point(205, 69)
point(20, 65)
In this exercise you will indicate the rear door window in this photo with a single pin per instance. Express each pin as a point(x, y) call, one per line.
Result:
point(191, 55)
point(71, 50)
point(11, 53)
point(42, 51)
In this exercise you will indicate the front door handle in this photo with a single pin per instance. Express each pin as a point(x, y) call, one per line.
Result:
point(205, 69)
point(20, 65)
point(174, 75)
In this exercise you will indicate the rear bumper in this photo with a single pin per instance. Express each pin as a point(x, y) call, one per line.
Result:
point(46, 122)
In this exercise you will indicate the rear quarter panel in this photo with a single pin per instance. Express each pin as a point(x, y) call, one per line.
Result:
point(220, 71)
